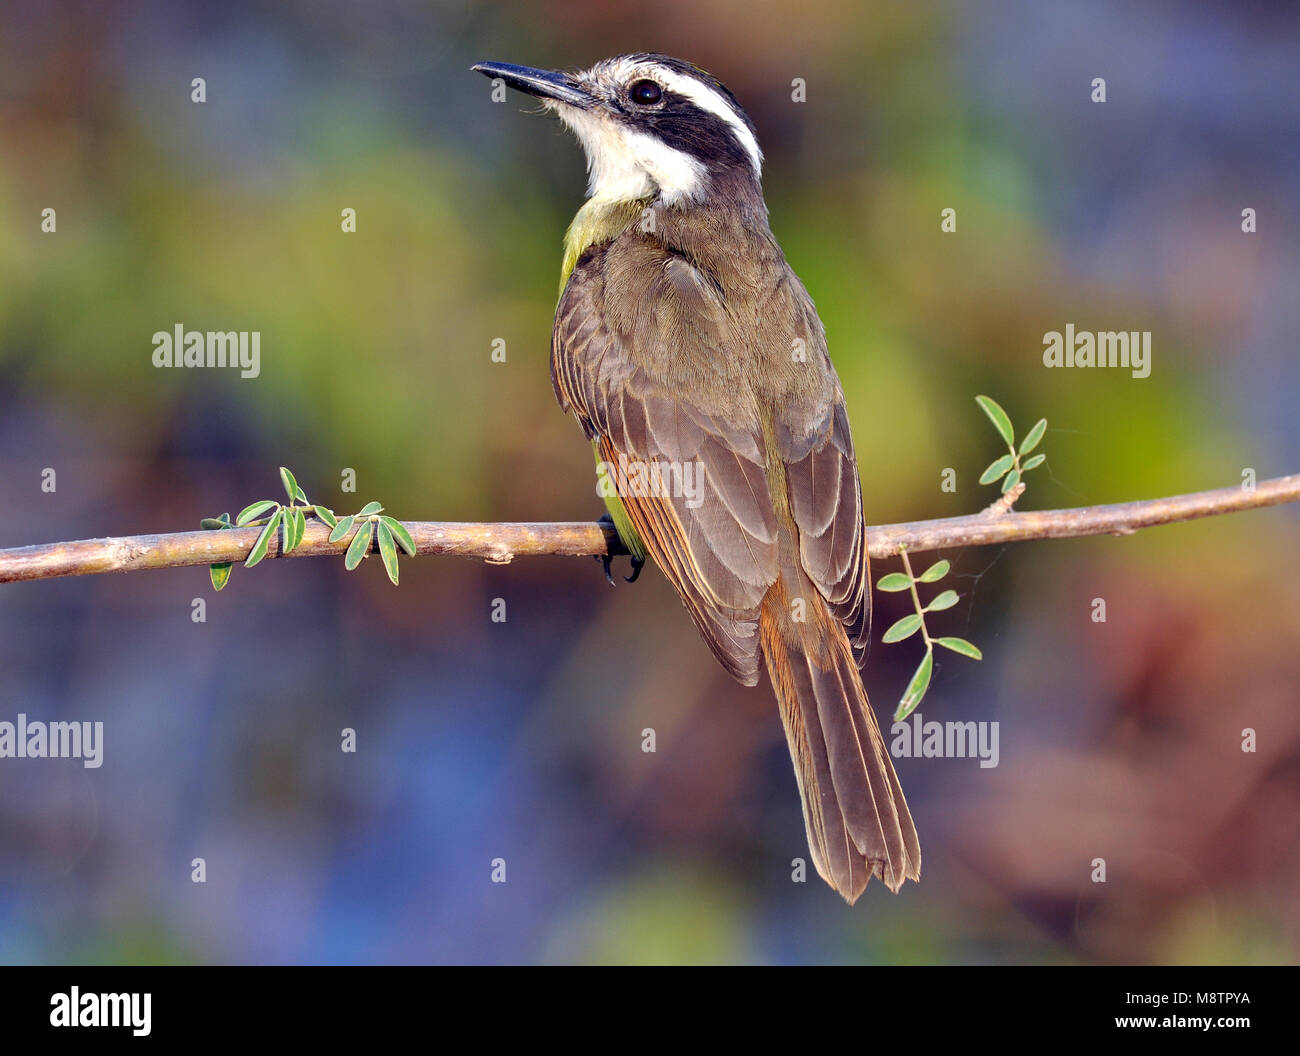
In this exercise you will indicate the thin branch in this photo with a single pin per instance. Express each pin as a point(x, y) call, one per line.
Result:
point(501, 543)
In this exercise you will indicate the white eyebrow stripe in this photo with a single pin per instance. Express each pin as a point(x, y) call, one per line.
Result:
point(715, 103)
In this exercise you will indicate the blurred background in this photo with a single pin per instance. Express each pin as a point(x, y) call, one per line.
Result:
point(522, 740)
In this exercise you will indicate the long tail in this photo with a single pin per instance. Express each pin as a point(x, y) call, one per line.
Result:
point(857, 819)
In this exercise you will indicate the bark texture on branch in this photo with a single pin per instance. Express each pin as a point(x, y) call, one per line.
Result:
point(500, 543)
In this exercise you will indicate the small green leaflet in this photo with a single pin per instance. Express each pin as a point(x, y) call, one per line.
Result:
point(904, 628)
point(290, 485)
point(960, 645)
point(1034, 436)
point(360, 545)
point(387, 550)
point(916, 688)
point(296, 527)
point(935, 572)
point(264, 540)
point(400, 533)
point(219, 573)
point(996, 469)
point(253, 511)
point(998, 417)
point(946, 600)
point(894, 581)
point(341, 528)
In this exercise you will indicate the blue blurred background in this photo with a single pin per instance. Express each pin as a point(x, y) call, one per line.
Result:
point(522, 740)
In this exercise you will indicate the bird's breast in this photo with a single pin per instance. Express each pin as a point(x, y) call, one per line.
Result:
point(597, 222)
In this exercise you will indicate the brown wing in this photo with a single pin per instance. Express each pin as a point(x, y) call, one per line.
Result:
point(638, 362)
point(854, 809)
point(814, 440)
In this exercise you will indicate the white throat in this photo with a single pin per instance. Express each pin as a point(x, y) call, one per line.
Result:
point(625, 165)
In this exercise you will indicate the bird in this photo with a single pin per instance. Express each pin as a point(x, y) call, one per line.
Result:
point(682, 338)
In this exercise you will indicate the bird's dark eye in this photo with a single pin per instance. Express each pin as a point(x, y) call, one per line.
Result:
point(646, 93)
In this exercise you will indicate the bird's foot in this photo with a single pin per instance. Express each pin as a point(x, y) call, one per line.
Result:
point(606, 560)
point(606, 521)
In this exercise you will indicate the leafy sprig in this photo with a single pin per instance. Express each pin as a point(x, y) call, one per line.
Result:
point(1009, 469)
point(371, 525)
point(909, 625)
point(288, 522)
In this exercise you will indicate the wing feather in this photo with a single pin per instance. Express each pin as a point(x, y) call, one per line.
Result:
point(826, 501)
point(717, 545)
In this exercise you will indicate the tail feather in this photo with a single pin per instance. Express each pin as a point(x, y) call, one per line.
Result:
point(854, 810)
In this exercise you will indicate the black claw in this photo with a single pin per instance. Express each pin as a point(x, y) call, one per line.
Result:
point(605, 559)
point(638, 563)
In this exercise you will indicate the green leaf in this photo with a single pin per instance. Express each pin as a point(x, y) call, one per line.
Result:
point(998, 417)
point(341, 529)
point(286, 546)
point(369, 508)
point(960, 645)
point(209, 524)
point(360, 546)
point(935, 572)
point(1013, 478)
point(400, 533)
point(290, 485)
point(1030, 463)
point(298, 521)
point(1035, 435)
point(946, 600)
point(264, 540)
point(916, 688)
point(996, 469)
point(254, 510)
point(220, 575)
point(327, 516)
point(387, 550)
point(894, 581)
point(904, 628)
point(301, 496)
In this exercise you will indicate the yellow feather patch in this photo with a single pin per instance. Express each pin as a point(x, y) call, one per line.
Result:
point(617, 511)
point(596, 222)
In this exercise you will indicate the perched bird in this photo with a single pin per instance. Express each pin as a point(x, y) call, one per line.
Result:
point(682, 338)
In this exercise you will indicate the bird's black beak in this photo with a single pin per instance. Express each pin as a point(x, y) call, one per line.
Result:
point(546, 84)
